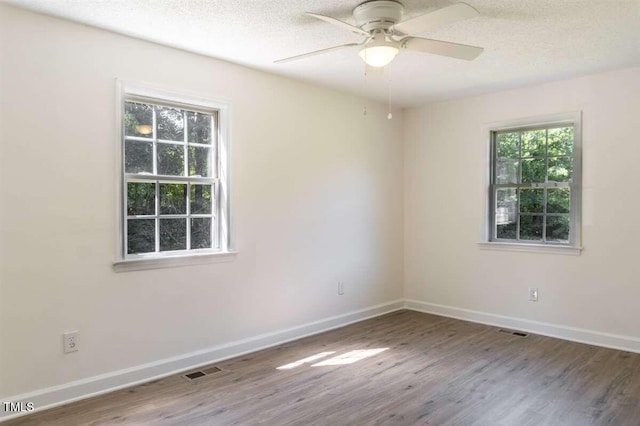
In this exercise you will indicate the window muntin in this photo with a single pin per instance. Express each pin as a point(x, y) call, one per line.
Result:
point(170, 177)
point(533, 190)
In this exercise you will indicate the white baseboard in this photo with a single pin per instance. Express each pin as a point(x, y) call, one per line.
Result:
point(81, 389)
point(614, 341)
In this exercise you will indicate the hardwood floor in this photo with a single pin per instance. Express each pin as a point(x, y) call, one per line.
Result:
point(434, 371)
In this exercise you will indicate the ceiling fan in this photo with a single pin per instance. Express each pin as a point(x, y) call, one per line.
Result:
point(379, 21)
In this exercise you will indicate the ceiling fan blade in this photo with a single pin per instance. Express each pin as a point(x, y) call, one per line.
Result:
point(317, 52)
point(443, 48)
point(436, 19)
point(338, 23)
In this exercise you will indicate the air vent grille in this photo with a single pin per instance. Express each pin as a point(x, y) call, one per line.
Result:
point(202, 372)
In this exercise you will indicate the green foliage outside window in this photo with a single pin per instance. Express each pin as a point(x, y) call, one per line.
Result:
point(539, 165)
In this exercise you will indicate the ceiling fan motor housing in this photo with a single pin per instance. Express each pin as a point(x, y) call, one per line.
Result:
point(378, 14)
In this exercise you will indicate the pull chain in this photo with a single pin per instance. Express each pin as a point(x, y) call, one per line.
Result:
point(389, 116)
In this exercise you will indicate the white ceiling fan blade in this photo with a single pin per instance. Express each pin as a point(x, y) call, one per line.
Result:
point(317, 52)
point(338, 23)
point(443, 48)
point(436, 19)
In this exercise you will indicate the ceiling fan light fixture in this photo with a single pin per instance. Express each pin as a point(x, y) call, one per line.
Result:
point(380, 21)
point(378, 56)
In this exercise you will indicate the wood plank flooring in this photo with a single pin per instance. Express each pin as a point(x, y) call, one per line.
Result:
point(434, 371)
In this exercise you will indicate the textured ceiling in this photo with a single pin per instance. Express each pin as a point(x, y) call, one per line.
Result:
point(525, 41)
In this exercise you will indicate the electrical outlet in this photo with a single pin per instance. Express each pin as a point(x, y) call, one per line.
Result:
point(340, 288)
point(70, 341)
point(533, 294)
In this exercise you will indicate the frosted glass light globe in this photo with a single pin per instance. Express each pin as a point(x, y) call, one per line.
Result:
point(378, 56)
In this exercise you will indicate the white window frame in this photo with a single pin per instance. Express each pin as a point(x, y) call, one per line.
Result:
point(574, 246)
point(223, 243)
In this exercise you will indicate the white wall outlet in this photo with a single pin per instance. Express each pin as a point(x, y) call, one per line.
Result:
point(70, 341)
point(533, 294)
point(340, 288)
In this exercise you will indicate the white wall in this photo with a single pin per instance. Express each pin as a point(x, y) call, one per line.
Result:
point(445, 169)
point(316, 199)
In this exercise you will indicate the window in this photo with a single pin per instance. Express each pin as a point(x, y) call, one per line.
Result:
point(174, 186)
point(534, 195)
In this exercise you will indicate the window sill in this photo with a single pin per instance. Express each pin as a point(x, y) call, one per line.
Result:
point(173, 261)
point(531, 248)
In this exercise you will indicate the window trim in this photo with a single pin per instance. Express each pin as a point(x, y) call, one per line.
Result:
point(575, 238)
point(226, 250)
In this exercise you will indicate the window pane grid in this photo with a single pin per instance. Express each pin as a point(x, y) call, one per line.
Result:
point(185, 166)
point(166, 141)
point(188, 205)
point(534, 185)
point(215, 222)
point(157, 214)
point(558, 125)
point(545, 215)
point(138, 139)
point(544, 218)
point(546, 163)
point(163, 103)
point(168, 224)
point(184, 216)
point(540, 221)
point(517, 212)
point(216, 153)
point(533, 214)
point(168, 179)
point(519, 172)
point(155, 146)
point(157, 217)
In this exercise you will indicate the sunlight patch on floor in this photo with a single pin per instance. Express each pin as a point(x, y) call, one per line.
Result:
point(305, 361)
point(350, 357)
